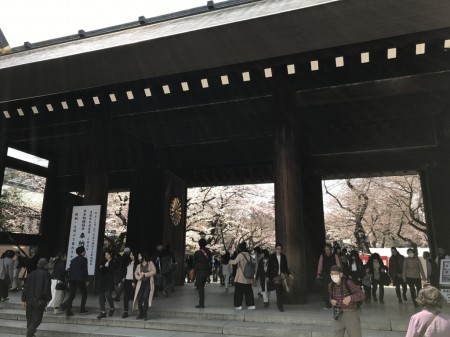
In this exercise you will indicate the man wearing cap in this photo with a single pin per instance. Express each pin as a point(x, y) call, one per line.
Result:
point(36, 295)
point(121, 272)
point(344, 297)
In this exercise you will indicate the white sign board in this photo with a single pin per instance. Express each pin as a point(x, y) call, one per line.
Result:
point(444, 273)
point(446, 294)
point(84, 232)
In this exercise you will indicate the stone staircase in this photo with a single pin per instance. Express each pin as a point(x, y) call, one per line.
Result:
point(189, 323)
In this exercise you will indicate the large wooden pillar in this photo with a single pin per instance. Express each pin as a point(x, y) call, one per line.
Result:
point(435, 188)
point(157, 214)
point(299, 217)
point(145, 226)
point(435, 182)
point(289, 220)
point(3, 151)
point(97, 172)
point(313, 218)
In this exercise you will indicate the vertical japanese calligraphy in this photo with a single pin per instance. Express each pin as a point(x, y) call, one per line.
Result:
point(84, 232)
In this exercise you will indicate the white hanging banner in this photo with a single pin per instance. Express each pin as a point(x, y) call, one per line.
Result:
point(84, 232)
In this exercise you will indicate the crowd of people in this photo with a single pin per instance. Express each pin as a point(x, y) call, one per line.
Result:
point(242, 270)
point(343, 276)
point(345, 280)
point(403, 272)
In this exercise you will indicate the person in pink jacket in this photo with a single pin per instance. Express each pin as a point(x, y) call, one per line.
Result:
point(430, 322)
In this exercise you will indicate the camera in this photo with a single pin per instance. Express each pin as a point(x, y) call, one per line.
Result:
point(337, 312)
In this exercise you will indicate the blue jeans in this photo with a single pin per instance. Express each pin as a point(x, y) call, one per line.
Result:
point(144, 293)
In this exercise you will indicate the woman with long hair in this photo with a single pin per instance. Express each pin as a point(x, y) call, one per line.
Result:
point(355, 268)
point(106, 272)
point(58, 277)
point(376, 267)
point(130, 281)
point(412, 271)
point(145, 286)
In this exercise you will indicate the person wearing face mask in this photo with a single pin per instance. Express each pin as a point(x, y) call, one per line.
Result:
point(396, 274)
point(344, 297)
point(412, 271)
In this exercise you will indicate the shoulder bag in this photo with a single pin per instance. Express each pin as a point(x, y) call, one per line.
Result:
point(426, 326)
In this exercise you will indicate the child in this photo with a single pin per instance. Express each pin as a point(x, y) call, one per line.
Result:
point(367, 284)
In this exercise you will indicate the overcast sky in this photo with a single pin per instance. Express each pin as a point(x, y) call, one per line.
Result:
point(39, 20)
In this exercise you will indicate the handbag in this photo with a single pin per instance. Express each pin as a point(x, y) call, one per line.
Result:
point(61, 286)
point(279, 279)
point(385, 279)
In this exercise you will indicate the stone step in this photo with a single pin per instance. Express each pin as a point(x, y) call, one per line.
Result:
point(82, 325)
point(320, 319)
point(17, 328)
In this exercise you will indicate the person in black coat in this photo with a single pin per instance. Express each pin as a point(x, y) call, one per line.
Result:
point(78, 278)
point(121, 269)
point(202, 265)
point(107, 271)
point(376, 266)
point(261, 275)
point(33, 260)
point(355, 268)
point(36, 295)
point(278, 268)
point(396, 274)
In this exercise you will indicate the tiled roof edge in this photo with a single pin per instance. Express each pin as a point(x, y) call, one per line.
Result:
point(130, 25)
